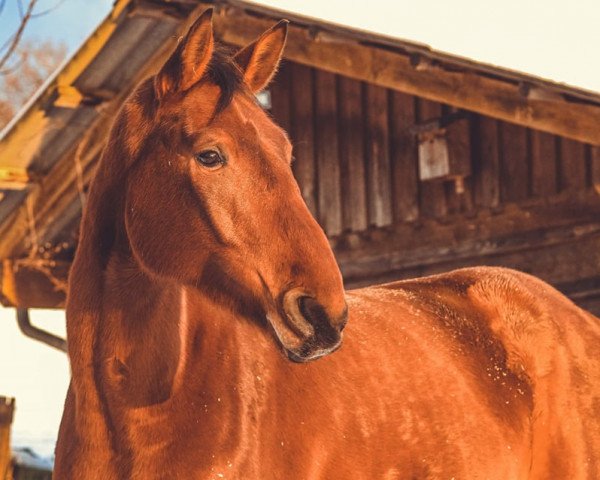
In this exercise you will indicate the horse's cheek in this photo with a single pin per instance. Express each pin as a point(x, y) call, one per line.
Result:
point(152, 242)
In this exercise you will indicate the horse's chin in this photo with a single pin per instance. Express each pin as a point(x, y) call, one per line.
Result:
point(297, 346)
point(313, 354)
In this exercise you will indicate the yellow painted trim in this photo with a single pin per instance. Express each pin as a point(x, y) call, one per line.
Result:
point(13, 178)
point(68, 97)
point(9, 286)
point(90, 49)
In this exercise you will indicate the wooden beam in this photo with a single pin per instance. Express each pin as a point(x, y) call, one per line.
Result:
point(340, 53)
point(558, 242)
point(550, 258)
point(540, 261)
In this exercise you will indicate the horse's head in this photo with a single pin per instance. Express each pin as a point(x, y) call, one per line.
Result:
point(210, 200)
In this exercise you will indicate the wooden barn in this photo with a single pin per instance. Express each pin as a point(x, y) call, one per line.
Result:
point(413, 161)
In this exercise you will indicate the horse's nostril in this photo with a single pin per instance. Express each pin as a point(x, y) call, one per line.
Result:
point(310, 309)
point(315, 314)
point(308, 331)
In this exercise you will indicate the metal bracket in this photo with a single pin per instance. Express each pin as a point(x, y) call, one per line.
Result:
point(37, 333)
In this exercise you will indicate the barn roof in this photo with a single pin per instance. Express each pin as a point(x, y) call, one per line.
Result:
point(47, 152)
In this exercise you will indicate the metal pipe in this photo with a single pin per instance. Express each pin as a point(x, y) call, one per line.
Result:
point(37, 333)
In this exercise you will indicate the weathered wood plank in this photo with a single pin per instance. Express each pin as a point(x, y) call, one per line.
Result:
point(539, 259)
point(486, 165)
point(432, 194)
point(352, 155)
point(378, 156)
point(543, 164)
point(572, 165)
point(523, 238)
point(303, 133)
point(595, 167)
point(459, 194)
point(405, 181)
point(280, 97)
point(514, 168)
point(327, 154)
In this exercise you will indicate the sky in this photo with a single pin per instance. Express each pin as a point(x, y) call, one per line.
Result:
point(548, 38)
point(553, 39)
point(67, 21)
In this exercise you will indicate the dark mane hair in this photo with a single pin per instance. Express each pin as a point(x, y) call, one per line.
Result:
point(224, 72)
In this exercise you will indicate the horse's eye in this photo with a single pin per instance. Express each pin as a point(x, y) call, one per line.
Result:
point(209, 158)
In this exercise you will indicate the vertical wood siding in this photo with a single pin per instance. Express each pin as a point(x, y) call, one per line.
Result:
point(352, 155)
point(403, 153)
point(356, 158)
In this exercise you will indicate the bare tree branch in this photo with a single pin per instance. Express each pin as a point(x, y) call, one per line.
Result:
point(30, 65)
point(18, 33)
point(7, 42)
point(25, 64)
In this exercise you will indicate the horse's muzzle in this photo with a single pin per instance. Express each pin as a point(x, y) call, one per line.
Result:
point(306, 330)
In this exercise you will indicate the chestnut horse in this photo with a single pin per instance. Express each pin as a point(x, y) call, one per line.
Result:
point(199, 264)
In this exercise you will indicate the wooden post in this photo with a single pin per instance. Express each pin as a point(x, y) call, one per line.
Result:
point(7, 409)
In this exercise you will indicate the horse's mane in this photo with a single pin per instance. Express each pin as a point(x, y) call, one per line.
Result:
point(224, 72)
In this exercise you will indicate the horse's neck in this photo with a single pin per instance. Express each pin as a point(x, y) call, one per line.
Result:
point(138, 342)
point(155, 336)
point(141, 347)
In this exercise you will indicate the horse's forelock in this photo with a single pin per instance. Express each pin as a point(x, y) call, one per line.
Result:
point(223, 72)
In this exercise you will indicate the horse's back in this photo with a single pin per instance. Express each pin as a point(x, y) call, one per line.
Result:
point(534, 355)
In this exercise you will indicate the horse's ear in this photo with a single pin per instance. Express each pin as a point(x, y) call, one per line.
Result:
point(260, 59)
point(186, 66)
